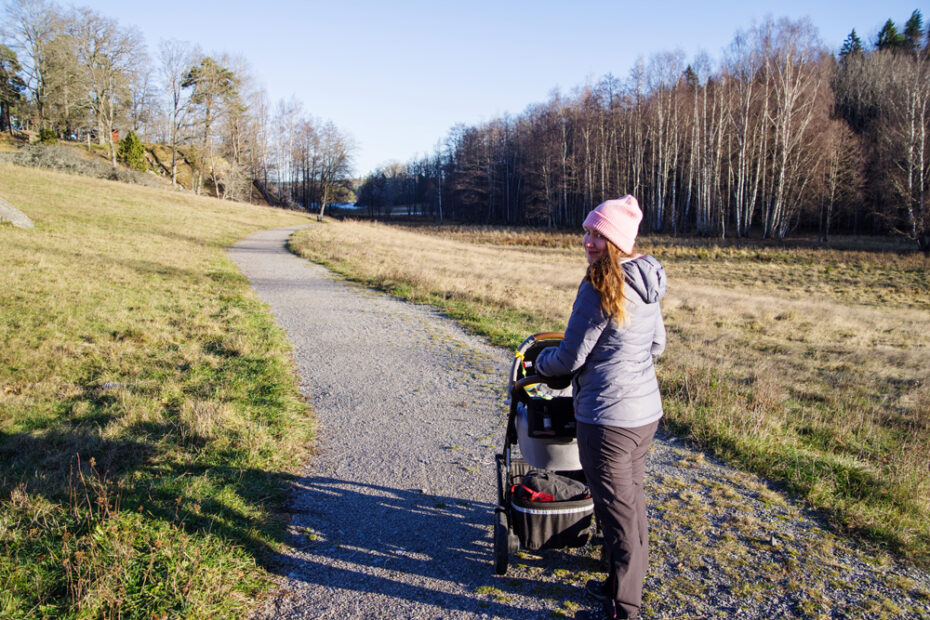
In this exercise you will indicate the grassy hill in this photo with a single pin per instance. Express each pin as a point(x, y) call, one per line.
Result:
point(149, 415)
point(93, 160)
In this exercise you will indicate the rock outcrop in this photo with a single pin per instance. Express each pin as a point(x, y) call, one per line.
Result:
point(9, 213)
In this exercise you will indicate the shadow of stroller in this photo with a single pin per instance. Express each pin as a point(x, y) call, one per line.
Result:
point(410, 546)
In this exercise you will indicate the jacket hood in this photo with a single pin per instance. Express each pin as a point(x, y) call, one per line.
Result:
point(646, 276)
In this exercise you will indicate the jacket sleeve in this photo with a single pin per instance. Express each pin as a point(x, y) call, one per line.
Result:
point(585, 326)
point(658, 338)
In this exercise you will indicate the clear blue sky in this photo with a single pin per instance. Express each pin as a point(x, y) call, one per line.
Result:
point(396, 75)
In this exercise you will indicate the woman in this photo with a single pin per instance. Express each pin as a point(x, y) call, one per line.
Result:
point(614, 332)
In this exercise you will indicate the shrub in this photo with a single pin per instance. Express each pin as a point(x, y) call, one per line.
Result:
point(48, 136)
point(132, 153)
point(71, 160)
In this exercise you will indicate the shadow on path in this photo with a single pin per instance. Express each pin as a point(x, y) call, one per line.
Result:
point(414, 547)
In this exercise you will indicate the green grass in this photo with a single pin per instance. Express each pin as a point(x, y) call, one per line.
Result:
point(149, 414)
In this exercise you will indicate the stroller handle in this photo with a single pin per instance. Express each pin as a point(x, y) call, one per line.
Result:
point(519, 387)
point(548, 336)
point(529, 380)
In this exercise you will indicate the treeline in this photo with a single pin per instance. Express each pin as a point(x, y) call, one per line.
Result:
point(781, 136)
point(78, 75)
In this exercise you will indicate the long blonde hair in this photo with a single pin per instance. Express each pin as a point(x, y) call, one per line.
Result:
point(606, 276)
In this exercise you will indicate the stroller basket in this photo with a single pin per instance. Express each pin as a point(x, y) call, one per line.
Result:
point(552, 525)
point(548, 524)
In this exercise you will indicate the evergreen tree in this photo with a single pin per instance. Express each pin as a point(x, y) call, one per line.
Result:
point(690, 77)
point(214, 88)
point(132, 152)
point(851, 46)
point(913, 31)
point(889, 38)
point(11, 86)
point(47, 135)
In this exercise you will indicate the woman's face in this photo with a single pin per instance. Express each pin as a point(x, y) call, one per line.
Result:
point(595, 245)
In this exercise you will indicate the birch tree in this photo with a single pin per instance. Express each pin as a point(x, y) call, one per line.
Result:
point(796, 79)
point(903, 138)
point(662, 77)
point(745, 63)
point(175, 60)
point(842, 168)
point(260, 155)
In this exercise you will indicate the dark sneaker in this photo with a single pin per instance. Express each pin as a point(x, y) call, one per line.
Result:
point(611, 611)
point(614, 609)
point(597, 590)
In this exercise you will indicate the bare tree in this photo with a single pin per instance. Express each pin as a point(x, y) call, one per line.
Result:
point(32, 25)
point(141, 105)
point(744, 64)
point(903, 137)
point(175, 60)
point(286, 120)
point(109, 56)
point(662, 77)
point(67, 99)
point(335, 165)
point(842, 173)
point(261, 164)
point(794, 65)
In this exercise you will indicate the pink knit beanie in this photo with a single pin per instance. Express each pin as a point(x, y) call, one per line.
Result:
point(618, 220)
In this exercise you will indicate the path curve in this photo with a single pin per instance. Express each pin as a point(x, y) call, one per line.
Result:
point(392, 516)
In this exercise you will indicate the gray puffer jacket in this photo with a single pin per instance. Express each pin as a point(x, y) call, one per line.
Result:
point(614, 381)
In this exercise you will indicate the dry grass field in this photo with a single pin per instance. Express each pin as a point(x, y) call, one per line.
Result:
point(809, 366)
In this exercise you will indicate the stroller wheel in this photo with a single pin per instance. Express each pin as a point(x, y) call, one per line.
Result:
point(501, 542)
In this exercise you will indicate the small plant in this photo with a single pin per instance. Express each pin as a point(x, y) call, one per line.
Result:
point(132, 152)
point(48, 136)
point(498, 594)
point(569, 609)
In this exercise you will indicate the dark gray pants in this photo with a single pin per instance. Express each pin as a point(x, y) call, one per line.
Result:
point(614, 463)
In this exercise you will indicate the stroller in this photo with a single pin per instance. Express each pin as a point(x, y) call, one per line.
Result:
point(543, 502)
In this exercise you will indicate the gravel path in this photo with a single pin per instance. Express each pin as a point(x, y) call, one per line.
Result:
point(392, 516)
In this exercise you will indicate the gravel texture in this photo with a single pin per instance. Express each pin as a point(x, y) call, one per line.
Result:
point(392, 517)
